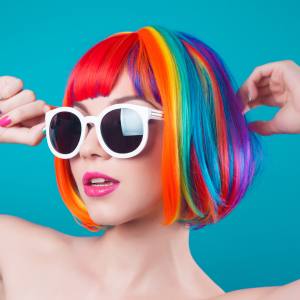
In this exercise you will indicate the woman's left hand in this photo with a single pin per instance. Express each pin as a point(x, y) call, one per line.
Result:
point(274, 84)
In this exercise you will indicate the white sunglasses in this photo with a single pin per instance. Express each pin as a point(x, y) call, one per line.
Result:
point(122, 129)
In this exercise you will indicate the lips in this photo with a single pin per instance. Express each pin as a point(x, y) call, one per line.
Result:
point(88, 176)
point(98, 191)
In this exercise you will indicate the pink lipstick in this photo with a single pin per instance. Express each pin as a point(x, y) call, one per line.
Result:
point(97, 184)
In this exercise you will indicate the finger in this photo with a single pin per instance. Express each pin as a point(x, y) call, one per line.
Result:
point(27, 111)
point(242, 95)
point(37, 134)
point(253, 104)
point(32, 122)
point(37, 119)
point(278, 124)
point(262, 71)
point(258, 76)
point(270, 96)
point(264, 82)
point(264, 91)
point(9, 86)
point(264, 100)
point(264, 127)
point(23, 97)
point(21, 135)
point(245, 94)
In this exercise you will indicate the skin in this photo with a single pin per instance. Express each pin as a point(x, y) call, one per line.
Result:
point(142, 258)
point(135, 209)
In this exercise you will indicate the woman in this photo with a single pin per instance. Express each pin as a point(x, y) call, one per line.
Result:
point(170, 150)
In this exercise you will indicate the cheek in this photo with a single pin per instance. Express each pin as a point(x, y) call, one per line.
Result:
point(140, 190)
point(139, 194)
point(142, 175)
point(75, 170)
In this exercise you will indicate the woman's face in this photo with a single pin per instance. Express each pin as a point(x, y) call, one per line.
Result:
point(139, 193)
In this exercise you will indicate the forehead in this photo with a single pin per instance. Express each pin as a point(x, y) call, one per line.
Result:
point(95, 103)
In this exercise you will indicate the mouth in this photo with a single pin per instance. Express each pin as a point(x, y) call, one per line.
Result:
point(97, 184)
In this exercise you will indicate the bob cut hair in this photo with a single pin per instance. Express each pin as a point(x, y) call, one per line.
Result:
point(209, 157)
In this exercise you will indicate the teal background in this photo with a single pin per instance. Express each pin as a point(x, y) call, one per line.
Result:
point(258, 244)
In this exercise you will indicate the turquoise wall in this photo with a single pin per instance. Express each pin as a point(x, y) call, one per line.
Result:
point(258, 244)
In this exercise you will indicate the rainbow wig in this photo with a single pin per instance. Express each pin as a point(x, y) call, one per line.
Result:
point(209, 156)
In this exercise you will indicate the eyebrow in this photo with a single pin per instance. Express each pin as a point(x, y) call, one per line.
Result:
point(116, 100)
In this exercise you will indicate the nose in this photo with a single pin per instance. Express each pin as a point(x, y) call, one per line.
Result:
point(91, 148)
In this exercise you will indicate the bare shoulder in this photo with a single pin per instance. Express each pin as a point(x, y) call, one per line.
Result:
point(289, 291)
point(246, 294)
point(27, 246)
point(17, 234)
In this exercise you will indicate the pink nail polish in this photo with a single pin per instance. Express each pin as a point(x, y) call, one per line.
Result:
point(5, 121)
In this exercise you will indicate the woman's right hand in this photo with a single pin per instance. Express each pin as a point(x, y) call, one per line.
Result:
point(25, 115)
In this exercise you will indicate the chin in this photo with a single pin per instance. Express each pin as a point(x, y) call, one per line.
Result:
point(113, 217)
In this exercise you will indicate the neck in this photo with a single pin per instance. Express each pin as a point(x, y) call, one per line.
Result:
point(143, 253)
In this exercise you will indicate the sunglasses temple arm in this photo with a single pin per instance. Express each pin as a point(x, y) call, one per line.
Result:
point(157, 115)
point(51, 107)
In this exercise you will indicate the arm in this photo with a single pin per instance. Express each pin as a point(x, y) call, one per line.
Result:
point(6, 224)
point(16, 106)
point(10, 228)
point(23, 240)
point(2, 295)
point(275, 84)
point(290, 291)
point(19, 236)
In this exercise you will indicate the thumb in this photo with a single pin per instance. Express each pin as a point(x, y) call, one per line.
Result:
point(263, 127)
point(39, 126)
point(38, 130)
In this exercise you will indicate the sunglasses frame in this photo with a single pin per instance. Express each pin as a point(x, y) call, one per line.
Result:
point(146, 113)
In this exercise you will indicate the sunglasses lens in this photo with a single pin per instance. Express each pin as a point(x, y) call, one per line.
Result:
point(64, 132)
point(122, 130)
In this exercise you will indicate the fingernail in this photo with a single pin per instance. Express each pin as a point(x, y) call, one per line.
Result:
point(46, 108)
point(5, 121)
point(249, 96)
